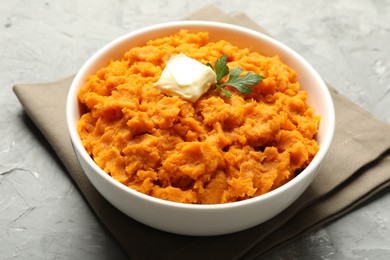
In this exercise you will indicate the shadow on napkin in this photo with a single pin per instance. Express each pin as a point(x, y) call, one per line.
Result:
point(353, 171)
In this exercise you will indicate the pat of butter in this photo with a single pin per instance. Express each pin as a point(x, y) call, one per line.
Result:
point(185, 77)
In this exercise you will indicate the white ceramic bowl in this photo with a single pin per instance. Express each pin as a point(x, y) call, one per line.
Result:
point(204, 219)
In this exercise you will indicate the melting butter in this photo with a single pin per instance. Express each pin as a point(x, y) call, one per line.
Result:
point(185, 77)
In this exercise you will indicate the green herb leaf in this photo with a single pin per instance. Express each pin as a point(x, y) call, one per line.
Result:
point(242, 83)
point(221, 68)
point(211, 66)
point(226, 93)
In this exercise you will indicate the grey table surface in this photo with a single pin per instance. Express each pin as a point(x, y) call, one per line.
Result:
point(42, 214)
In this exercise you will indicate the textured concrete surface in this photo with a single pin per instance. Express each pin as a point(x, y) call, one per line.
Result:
point(43, 216)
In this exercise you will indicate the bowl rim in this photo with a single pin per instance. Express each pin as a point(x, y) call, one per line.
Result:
point(71, 104)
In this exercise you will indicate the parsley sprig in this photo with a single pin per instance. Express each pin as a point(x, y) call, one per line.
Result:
point(242, 83)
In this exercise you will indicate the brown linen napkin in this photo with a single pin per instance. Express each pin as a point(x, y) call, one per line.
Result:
point(354, 170)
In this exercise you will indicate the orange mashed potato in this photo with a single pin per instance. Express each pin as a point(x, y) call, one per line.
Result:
point(216, 150)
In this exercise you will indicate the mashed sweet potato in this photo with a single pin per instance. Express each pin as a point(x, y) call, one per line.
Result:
point(216, 150)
